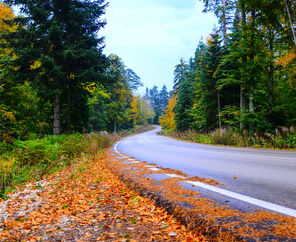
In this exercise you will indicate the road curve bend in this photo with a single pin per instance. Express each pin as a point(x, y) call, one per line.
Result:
point(266, 175)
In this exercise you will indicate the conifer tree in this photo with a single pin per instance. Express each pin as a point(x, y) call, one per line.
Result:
point(59, 39)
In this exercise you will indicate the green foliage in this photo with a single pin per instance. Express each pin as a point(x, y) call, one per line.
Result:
point(58, 51)
point(32, 159)
point(230, 137)
point(242, 80)
point(158, 101)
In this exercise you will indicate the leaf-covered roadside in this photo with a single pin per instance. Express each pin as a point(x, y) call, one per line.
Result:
point(86, 202)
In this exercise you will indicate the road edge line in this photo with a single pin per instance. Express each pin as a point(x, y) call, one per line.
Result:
point(257, 202)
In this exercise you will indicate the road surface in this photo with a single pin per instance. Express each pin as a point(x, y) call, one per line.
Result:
point(266, 175)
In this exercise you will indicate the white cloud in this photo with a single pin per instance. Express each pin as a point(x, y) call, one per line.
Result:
point(152, 35)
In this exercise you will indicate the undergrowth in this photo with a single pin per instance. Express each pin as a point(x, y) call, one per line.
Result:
point(33, 159)
point(232, 138)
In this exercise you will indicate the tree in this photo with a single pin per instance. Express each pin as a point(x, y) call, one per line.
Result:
point(155, 103)
point(140, 112)
point(120, 94)
point(133, 79)
point(179, 72)
point(184, 95)
point(164, 98)
point(21, 112)
point(167, 120)
point(223, 9)
point(60, 40)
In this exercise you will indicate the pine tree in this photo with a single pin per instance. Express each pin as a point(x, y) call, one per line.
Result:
point(133, 79)
point(60, 40)
point(184, 95)
point(164, 98)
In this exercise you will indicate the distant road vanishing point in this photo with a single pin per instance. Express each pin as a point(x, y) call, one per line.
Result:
point(251, 178)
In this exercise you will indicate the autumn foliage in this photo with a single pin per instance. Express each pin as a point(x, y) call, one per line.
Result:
point(167, 120)
point(86, 202)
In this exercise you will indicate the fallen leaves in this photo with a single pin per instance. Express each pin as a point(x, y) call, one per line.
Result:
point(92, 205)
point(215, 220)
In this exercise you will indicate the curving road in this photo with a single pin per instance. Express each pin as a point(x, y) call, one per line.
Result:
point(262, 174)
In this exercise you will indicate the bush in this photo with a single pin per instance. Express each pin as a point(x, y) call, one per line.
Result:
point(6, 173)
point(229, 137)
point(72, 146)
point(32, 159)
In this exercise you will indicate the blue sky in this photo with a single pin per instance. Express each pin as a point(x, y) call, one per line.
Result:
point(151, 36)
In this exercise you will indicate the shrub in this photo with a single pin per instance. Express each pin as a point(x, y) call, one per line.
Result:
point(226, 137)
point(32, 159)
point(71, 146)
point(6, 173)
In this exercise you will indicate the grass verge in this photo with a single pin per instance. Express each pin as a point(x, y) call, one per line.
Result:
point(31, 160)
point(229, 137)
point(86, 202)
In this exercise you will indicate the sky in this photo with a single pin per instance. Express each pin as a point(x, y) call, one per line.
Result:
point(151, 36)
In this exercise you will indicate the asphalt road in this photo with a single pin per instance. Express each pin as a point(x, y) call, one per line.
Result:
point(262, 174)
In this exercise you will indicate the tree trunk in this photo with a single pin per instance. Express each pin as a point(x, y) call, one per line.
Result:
point(244, 63)
point(69, 121)
point(56, 115)
point(271, 68)
point(291, 21)
point(242, 104)
point(252, 79)
point(115, 127)
point(219, 108)
point(224, 22)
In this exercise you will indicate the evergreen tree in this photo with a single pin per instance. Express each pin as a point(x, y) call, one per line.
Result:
point(184, 95)
point(154, 100)
point(59, 52)
point(164, 98)
point(133, 79)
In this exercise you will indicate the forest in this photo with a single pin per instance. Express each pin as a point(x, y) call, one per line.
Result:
point(55, 78)
point(59, 93)
point(239, 88)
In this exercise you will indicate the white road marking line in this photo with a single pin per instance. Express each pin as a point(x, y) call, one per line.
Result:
point(154, 169)
point(174, 175)
point(244, 198)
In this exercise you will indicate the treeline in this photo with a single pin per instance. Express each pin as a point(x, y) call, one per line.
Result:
point(158, 101)
point(244, 76)
point(54, 77)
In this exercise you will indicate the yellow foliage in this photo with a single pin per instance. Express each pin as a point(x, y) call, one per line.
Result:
point(6, 165)
point(91, 88)
point(134, 110)
point(210, 41)
point(35, 65)
point(140, 111)
point(167, 120)
point(7, 14)
point(8, 116)
point(287, 59)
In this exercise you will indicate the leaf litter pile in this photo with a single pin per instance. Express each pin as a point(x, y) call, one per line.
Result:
point(216, 221)
point(86, 202)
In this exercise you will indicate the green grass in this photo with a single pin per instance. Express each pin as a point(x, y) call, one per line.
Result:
point(33, 159)
point(231, 138)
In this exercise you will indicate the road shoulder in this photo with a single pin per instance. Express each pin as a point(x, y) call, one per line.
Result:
point(212, 219)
